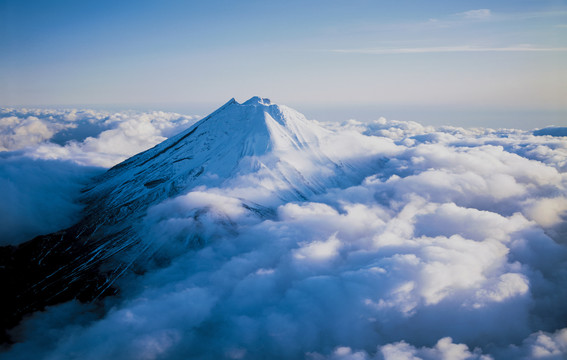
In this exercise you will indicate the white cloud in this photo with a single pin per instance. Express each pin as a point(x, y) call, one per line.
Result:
point(480, 14)
point(546, 346)
point(18, 133)
point(441, 251)
point(548, 211)
point(41, 195)
point(38, 196)
point(127, 135)
point(21, 128)
point(86, 137)
point(318, 250)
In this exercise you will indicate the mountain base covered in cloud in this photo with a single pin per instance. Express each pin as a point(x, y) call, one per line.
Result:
point(381, 240)
point(50, 155)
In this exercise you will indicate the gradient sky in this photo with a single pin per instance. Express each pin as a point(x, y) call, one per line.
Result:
point(483, 55)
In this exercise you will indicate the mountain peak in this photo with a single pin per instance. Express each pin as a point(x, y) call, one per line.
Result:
point(256, 100)
point(234, 140)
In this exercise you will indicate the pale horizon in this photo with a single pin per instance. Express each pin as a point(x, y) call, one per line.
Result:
point(524, 119)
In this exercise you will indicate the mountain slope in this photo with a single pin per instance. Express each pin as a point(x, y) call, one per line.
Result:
point(235, 140)
point(268, 148)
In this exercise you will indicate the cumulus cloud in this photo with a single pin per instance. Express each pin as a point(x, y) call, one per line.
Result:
point(444, 349)
point(86, 137)
point(29, 131)
point(449, 247)
point(21, 128)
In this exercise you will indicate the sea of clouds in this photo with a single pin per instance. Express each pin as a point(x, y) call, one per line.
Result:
point(454, 246)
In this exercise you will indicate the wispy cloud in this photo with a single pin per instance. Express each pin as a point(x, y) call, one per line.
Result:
point(486, 15)
point(480, 14)
point(449, 49)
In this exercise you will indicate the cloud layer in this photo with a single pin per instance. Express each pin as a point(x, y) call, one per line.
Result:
point(86, 137)
point(38, 196)
point(47, 156)
point(453, 246)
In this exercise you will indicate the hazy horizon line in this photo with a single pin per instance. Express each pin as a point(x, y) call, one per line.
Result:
point(448, 49)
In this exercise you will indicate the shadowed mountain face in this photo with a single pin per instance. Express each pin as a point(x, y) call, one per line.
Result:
point(274, 147)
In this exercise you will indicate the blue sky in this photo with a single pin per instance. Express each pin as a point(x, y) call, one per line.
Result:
point(482, 55)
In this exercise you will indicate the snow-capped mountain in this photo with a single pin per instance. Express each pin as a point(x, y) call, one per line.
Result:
point(269, 147)
point(256, 137)
point(272, 150)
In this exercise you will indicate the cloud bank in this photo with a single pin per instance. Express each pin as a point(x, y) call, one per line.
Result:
point(38, 196)
point(453, 246)
point(47, 156)
point(86, 137)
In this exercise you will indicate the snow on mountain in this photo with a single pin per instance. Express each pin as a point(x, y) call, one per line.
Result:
point(262, 153)
point(236, 140)
point(279, 153)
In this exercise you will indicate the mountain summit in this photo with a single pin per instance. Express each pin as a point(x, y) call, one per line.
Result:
point(235, 140)
point(272, 152)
